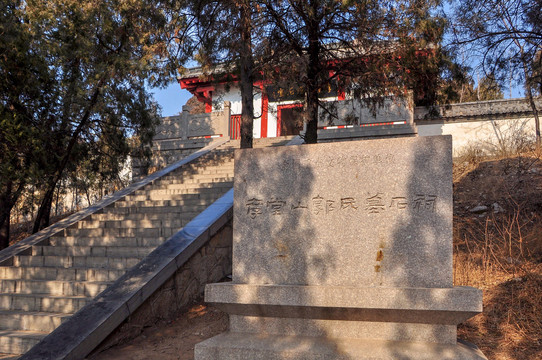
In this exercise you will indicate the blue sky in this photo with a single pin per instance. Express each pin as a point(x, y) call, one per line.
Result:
point(171, 99)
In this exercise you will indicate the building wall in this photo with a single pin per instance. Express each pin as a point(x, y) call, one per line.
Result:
point(491, 126)
point(232, 94)
point(488, 135)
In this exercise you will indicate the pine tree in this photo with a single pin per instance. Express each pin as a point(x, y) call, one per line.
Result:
point(507, 36)
point(375, 49)
point(75, 87)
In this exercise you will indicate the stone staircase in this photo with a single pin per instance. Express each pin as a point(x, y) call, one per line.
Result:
point(49, 282)
point(52, 281)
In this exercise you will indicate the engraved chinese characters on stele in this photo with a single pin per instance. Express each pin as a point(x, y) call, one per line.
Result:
point(302, 218)
point(318, 205)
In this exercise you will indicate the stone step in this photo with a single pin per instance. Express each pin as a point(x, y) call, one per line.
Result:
point(201, 171)
point(133, 223)
point(229, 169)
point(166, 212)
point(198, 169)
point(219, 163)
point(59, 273)
point(31, 320)
point(19, 342)
point(112, 251)
point(40, 291)
point(126, 232)
point(43, 302)
point(219, 172)
point(186, 190)
point(199, 189)
point(53, 287)
point(204, 164)
point(189, 186)
point(206, 175)
point(208, 194)
point(86, 262)
point(193, 180)
point(138, 241)
point(213, 159)
point(158, 205)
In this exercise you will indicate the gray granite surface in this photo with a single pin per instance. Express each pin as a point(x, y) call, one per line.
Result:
point(343, 251)
point(358, 213)
point(241, 346)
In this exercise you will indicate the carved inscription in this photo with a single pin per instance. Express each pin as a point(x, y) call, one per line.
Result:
point(254, 207)
point(371, 204)
point(334, 160)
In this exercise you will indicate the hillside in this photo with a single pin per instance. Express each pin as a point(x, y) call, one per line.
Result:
point(498, 248)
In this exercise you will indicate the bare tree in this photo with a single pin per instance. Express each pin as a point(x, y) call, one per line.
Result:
point(507, 35)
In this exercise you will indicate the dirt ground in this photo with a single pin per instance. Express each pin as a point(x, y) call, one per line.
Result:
point(171, 340)
point(499, 250)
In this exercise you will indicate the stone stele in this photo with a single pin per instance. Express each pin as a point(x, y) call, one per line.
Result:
point(343, 251)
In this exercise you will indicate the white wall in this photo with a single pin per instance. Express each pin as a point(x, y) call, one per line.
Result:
point(486, 134)
point(232, 94)
point(391, 110)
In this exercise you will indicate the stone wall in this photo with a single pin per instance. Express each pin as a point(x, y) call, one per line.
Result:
point(490, 126)
point(210, 264)
point(179, 136)
point(354, 111)
point(479, 110)
point(186, 126)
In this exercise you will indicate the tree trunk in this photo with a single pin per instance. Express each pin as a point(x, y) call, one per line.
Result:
point(4, 227)
point(247, 78)
point(57, 197)
point(8, 198)
point(313, 83)
point(529, 93)
point(44, 213)
point(536, 117)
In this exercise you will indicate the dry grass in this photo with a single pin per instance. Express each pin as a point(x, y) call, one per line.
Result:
point(500, 252)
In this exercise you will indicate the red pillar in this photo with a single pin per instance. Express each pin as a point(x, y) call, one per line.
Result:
point(265, 110)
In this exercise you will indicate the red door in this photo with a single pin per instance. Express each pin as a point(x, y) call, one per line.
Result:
point(289, 119)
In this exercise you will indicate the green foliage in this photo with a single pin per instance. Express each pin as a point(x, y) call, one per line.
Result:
point(465, 91)
point(373, 49)
point(74, 88)
point(488, 89)
point(505, 35)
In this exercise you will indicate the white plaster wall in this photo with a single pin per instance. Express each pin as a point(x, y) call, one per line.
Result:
point(232, 94)
point(257, 132)
point(272, 119)
point(488, 135)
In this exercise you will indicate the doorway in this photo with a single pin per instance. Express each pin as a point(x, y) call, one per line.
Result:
point(289, 119)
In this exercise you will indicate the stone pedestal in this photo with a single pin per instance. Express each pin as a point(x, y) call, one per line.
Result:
point(343, 251)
